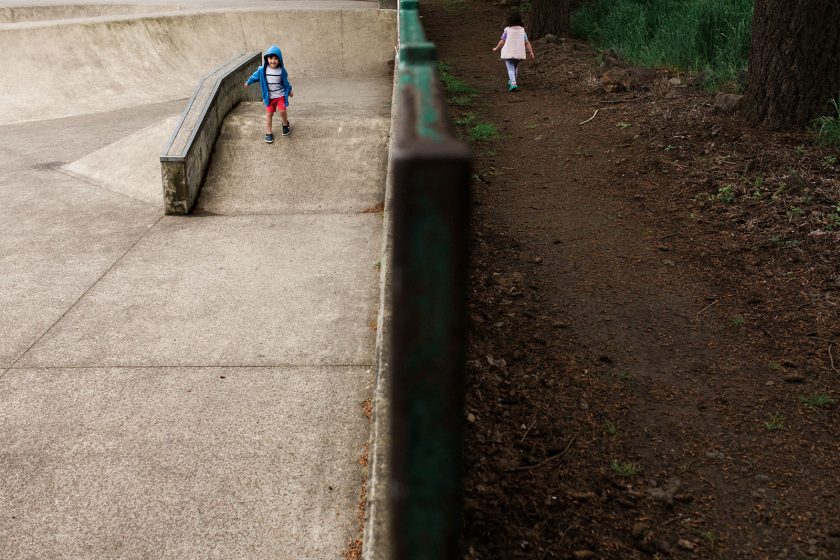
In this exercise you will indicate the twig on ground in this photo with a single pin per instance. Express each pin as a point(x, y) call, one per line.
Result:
point(705, 308)
point(548, 460)
point(526, 431)
point(538, 407)
point(590, 118)
point(831, 359)
point(770, 335)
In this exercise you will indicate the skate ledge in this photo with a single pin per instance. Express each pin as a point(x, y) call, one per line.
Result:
point(187, 154)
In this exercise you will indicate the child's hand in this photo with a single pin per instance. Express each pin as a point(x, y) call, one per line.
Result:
point(291, 94)
point(246, 85)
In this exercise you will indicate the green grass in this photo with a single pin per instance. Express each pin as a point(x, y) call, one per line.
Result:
point(624, 469)
point(795, 212)
point(710, 36)
point(461, 100)
point(726, 194)
point(833, 220)
point(827, 128)
point(482, 132)
point(466, 120)
point(453, 84)
point(461, 94)
point(458, 92)
point(775, 423)
point(711, 536)
point(817, 400)
point(610, 427)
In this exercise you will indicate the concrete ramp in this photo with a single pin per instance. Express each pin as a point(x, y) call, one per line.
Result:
point(130, 165)
point(105, 64)
point(337, 146)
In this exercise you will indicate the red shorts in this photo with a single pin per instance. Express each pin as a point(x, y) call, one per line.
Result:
point(276, 104)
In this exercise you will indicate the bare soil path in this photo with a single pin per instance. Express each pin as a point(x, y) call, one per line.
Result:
point(656, 333)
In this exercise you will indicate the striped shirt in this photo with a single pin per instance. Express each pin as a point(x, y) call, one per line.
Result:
point(275, 87)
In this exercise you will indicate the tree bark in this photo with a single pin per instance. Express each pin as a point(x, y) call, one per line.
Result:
point(550, 16)
point(794, 62)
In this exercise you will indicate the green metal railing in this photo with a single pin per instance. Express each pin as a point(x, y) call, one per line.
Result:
point(430, 212)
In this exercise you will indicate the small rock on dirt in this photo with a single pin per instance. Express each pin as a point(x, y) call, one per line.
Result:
point(639, 529)
point(615, 80)
point(794, 378)
point(666, 494)
point(583, 554)
point(686, 544)
point(727, 103)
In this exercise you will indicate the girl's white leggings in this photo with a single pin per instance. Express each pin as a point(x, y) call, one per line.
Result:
point(511, 64)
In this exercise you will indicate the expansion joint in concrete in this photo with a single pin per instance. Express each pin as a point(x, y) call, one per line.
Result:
point(94, 283)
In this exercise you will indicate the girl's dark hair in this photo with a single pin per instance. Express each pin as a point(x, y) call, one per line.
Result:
point(515, 18)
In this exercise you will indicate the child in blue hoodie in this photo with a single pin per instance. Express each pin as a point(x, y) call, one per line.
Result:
point(276, 89)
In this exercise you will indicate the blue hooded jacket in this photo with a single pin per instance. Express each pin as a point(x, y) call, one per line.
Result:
point(259, 76)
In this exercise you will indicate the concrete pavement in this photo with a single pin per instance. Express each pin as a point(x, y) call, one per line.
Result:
point(191, 387)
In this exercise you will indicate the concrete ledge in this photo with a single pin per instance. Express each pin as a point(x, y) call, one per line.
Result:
point(18, 14)
point(185, 159)
point(376, 541)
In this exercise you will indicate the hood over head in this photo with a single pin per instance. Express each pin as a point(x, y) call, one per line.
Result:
point(275, 50)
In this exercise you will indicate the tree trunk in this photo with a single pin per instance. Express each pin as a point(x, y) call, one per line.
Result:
point(550, 16)
point(794, 62)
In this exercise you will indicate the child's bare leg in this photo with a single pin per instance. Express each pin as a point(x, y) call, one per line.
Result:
point(268, 118)
point(285, 116)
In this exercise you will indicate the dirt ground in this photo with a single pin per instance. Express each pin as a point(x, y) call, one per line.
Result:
point(655, 308)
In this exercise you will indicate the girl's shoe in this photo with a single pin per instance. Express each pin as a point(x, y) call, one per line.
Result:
point(269, 138)
point(287, 129)
point(513, 87)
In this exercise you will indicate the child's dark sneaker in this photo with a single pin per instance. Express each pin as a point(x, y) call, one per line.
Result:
point(287, 129)
point(269, 138)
